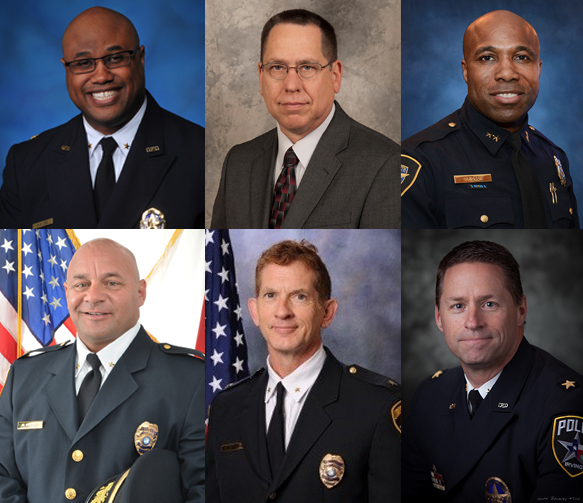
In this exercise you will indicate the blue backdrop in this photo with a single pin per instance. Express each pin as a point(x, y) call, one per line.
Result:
point(33, 94)
point(432, 81)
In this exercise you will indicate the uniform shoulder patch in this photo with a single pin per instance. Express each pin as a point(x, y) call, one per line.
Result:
point(566, 442)
point(178, 350)
point(46, 349)
point(410, 168)
point(245, 379)
point(396, 415)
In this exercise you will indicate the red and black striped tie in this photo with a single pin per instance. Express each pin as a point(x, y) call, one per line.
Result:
point(285, 190)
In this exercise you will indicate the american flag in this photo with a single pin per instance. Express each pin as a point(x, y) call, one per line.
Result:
point(33, 304)
point(226, 350)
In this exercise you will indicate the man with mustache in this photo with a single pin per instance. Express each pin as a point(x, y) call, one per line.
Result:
point(124, 162)
point(505, 425)
point(318, 168)
point(308, 428)
point(484, 166)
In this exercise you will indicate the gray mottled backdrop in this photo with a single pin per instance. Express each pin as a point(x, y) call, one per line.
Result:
point(552, 279)
point(369, 46)
point(366, 277)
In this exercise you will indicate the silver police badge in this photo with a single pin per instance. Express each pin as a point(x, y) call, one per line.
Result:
point(560, 171)
point(153, 219)
point(567, 446)
point(145, 437)
point(497, 491)
point(331, 470)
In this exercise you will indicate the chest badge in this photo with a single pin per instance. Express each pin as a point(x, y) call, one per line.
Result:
point(560, 171)
point(331, 470)
point(497, 491)
point(145, 437)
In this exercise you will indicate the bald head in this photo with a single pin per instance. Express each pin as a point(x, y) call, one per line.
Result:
point(104, 292)
point(97, 18)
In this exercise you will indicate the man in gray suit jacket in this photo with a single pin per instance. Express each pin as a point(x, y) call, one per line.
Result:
point(57, 441)
point(318, 168)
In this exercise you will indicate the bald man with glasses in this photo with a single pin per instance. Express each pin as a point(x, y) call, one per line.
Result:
point(318, 168)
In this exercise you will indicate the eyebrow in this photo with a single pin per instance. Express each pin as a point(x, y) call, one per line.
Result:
point(463, 299)
point(110, 48)
point(104, 276)
point(491, 48)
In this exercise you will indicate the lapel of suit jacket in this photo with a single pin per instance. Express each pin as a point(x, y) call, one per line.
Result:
point(68, 178)
point(60, 390)
point(143, 170)
point(262, 182)
point(120, 384)
point(320, 171)
point(313, 419)
point(495, 412)
point(251, 424)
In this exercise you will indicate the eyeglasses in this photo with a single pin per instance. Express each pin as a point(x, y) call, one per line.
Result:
point(88, 65)
point(305, 71)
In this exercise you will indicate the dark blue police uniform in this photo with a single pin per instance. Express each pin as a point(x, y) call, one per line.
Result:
point(458, 174)
point(525, 438)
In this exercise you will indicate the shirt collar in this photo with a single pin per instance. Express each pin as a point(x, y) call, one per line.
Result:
point(123, 137)
point(299, 382)
point(305, 147)
point(491, 135)
point(110, 354)
point(485, 388)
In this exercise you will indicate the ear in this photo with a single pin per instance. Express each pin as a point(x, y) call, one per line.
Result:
point(142, 285)
point(522, 311)
point(465, 70)
point(438, 318)
point(63, 61)
point(143, 55)
point(261, 74)
point(252, 305)
point(330, 308)
point(337, 75)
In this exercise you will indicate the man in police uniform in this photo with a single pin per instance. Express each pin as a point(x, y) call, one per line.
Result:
point(59, 441)
point(308, 428)
point(484, 166)
point(509, 420)
point(125, 162)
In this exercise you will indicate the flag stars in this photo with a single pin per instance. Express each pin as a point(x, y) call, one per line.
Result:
point(221, 303)
point(53, 260)
point(49, 238)
point(238, 312)
point(208, 237)
point(41, 275)
point(217, 357)
point(225, 247)
point(206, 297)
point(238, 365)
point(46, 318)
point(44, 298)
point(239, 339)
point(7, 245)
point(61, 243)
point(9, 267)
point(56, 303)
point(64, 265)
point(207, 266)
point(26, 249)
point(220, 330)
point(27, 271)
point(28, 293)
point(54, 282)
point(224, 274)
point(215, 384)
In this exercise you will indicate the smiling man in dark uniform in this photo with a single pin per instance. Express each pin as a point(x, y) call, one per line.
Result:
point(509, 420)
point(124, 162)
point(308, 428)
point(484, 165)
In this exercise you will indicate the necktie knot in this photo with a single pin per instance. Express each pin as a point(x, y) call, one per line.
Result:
point(108, 145)
point(94, 361)
point(285, 190)
point(89, 387)
point(475, 400)
point(515, 141)
point(290, 159)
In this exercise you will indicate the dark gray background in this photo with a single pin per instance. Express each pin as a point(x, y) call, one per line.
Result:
point(552, 279)
point(366, 277)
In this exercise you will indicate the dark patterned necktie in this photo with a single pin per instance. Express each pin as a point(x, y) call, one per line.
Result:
point(532, 201)
point(285, 190)
point(276, 433)
point(475, 400)
point(89, 387)
point(105, 177)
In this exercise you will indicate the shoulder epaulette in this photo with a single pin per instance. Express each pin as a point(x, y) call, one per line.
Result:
point(437, 131)
point(372, 377)
point(33, 137)
point(45, 349)
point(536, 132)
point(245, 379)
point(178, 350)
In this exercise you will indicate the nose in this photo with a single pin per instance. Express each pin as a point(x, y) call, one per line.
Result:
point(474, 319)
point(506, 69)
point(283, 310)
point(292, 81)
point(101, 73)
point(94, 294)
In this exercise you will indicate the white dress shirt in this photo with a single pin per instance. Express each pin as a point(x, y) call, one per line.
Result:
point(297, 386)
point(303, 148)
point(108, 356)
point(484, 388)
point(124, 139)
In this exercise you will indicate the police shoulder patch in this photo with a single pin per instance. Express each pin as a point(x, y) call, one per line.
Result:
point(396, 415)
point(566, 442)
point(410, 168)
point(178, 350)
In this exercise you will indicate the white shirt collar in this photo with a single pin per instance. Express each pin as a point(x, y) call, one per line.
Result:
point(110, 354)
point(124, 137)
point(304, 148)
point(484, 388)
point(299, 382)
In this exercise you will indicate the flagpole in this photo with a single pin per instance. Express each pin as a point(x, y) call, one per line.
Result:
point(19, 321)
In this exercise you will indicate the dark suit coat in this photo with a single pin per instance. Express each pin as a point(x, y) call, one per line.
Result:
point(350, 182)
point(148, 383)
point(346, 414)
point(509, 436)
point(48, 177)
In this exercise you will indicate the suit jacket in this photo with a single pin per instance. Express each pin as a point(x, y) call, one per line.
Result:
point(347, 413)
point(513, 435)
point(48, 177)
point(350, 182)
point(148, 383)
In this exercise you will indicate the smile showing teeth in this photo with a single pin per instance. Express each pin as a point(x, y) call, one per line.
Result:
point(95, 314)
point(104, 95)
point(507, 95)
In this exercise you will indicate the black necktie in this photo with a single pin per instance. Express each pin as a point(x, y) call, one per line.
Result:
point(532, 201)
point(475, 400)
point(105, 178)
point(285, 190)
point(89, 387)
point(275, 434)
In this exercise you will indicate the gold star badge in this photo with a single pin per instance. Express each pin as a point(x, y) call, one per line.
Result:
point(90, 145)
point(437, 374)
point(297, 390)
point(496, 138)
point(568, 384)
point(111, 364)
point(126, 145)
point(488, 135)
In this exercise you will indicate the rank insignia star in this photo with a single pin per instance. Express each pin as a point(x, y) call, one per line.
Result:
point(488, 135)
point(568, 384)
point(437, 374)
point(90, 145)
point(526, 136)
point(496, 138)
point(126, 145)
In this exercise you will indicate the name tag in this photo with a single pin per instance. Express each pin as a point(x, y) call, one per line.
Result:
point(472, 178)
point(237, 446)
point(30, 425)
point(42, 223)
